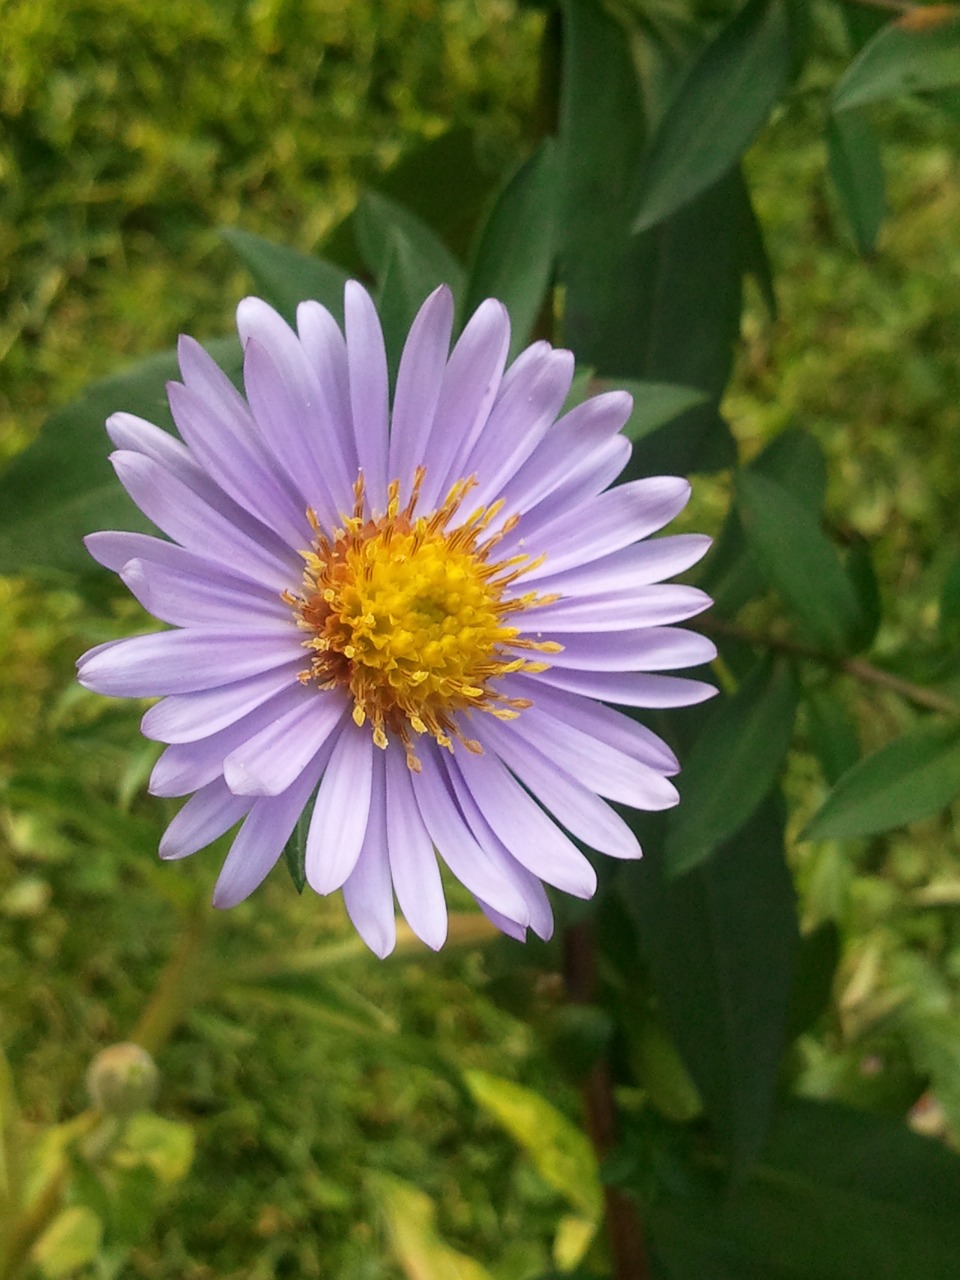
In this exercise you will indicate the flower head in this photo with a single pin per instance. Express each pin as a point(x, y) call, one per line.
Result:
point(405, 617)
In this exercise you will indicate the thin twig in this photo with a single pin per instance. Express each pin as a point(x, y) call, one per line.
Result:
point(856, 668)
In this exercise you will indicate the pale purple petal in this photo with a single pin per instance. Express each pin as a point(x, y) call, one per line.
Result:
point(186, 765)
point(524, 828)
point(184, 516)
point(205, 817)
point(413, 863)
point(182, 661)
point(451, 836)
point(259, 844)
point(598, 765)
point(535, 896)
point(605, 524)
point(638, 565)
point(367, 361)
point(342, 809)
point(368, 890)
point(579, 809)
point(188, 598)
point(651, 606)
point(419, 379)
point(631, 688)
point(526, 407)
point(619, 730)
point(510, 927)
point(270, 760)
point(186, 717)
point(569, 451)
point(471, 382)
point(649, 649)
point(234, 456)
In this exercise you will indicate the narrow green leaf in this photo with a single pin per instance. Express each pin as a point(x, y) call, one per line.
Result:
point(515, 255)
point(817, 961)
point(721, 944)
point(382, 224)
point(407, 280)
point(838, 1195)
point(832, 732)
point(909, 779)
point(798, 560)
point(950, 604)
point(863, 578)
point(733, 765)
point(295, 850)
point(654, 404)
point(287, 277)
point(856, 169)
point(794, 459)
point(560, 1151)
point(915, 53)
point(719, 108)
point(66, 470)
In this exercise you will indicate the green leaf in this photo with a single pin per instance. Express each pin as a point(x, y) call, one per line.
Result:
point(414, 1240)
point(734, 763)
point(856, 169)
point(794, 459)
point(407, 281)
point(517, 249)
point(295, 850)
point(382, 225)
point(663, 307)
point(916, 53)
point(909, 779)
point(718, 110)
point(832, 732)
point(950, 604)
point(286, 276)
point(71, 1241)
point(66, 470)
point(441, 182)
point(866, 586)
point(799, 561)
point(721, 943)
point(817, 961)
point(560, 1151)
point(838, 1195)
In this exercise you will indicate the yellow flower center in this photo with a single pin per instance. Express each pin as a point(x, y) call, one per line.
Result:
point(409, 614)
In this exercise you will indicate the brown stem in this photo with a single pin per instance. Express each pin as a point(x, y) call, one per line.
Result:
point(628, 1249)
point(865, 672)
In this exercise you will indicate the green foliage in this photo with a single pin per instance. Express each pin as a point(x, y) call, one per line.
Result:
point(772, 992)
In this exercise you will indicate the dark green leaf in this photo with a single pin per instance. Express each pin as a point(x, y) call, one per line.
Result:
point(440, 182)
point(654, 404)
point(733, 765)
point(863, 578)
point(719, 108)
point(516, 253)
point(407, 280)
point(65, 471)
point(721, 942)
point(950, 605)
point(382, 225)
point(920, 51)
point(832, 732)
point(817, 962)
point(287, 277)
point(838, 1195)
point(799, 561)
point(756, 261)
point(794, 459)
point(911, 778)
point(856, 169)
point(295, 850)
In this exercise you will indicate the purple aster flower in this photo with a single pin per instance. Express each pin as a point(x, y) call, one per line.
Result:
point(411, 613)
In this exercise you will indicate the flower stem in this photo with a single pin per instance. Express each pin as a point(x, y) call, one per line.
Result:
point(856, 668)
point(625, 1236)
point(174, 987)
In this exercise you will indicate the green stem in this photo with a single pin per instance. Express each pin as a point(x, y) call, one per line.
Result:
point(174, 989)
point(856, 668)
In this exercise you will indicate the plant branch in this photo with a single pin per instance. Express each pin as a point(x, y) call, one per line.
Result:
point(856, 668)
point(628, 1249)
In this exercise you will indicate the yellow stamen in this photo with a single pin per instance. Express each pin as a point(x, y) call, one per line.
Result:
point(408, 614)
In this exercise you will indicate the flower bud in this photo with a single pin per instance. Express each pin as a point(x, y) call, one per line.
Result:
point(122, 1079)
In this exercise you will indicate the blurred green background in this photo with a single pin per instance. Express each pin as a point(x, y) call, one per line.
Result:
point(301, 1073)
